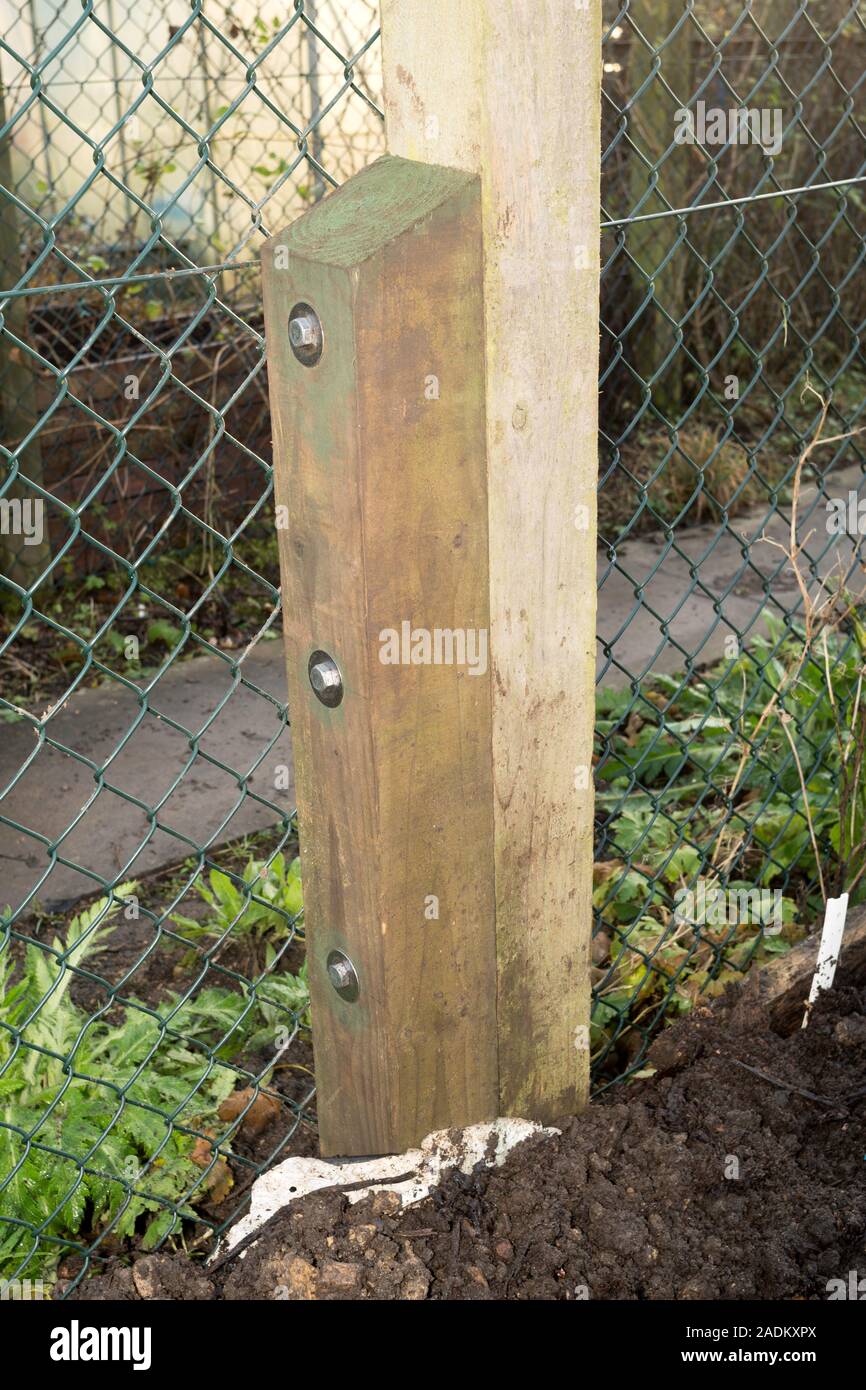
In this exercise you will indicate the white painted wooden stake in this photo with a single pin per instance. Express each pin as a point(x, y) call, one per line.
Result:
point(511, 90)
point(829, 950)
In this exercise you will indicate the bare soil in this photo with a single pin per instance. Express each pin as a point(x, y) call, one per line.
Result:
point(735, 1172)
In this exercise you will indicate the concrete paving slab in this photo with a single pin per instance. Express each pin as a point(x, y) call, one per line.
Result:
point(668, 606)
point(119, 784)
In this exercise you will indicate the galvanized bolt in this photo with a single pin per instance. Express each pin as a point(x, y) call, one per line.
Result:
point(325, 678)
point(302, 331)
point(343, 976)
point(305, 334)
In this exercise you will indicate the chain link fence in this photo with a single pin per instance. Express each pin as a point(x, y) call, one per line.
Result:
point(730, 730)
point(154, 1043)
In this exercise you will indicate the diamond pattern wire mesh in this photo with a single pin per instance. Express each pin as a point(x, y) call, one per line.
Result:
point(712, 723)
point(165, 138)
point(144, 1043)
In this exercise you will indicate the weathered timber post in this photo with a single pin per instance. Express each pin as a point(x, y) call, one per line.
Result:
point(513, 91)
point(438, 562)
point(379, 449)
point(655, 245)
point(22, 557)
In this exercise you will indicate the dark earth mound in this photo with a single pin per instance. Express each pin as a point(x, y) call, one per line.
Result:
point(736, 1172)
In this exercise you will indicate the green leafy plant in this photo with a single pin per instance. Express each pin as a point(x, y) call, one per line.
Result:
point(267, 900)
point(755, 767)
point(278, 996)
point(160, 631)
point(104, 1117)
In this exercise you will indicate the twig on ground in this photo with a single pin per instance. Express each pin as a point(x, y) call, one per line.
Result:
point(784, 1086)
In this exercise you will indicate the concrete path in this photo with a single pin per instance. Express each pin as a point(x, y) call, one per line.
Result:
point(75, 822)
point(76, 795)
point(664, 605)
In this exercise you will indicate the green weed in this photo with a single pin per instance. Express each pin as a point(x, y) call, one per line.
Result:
point(267, 900)
point(102, 1113)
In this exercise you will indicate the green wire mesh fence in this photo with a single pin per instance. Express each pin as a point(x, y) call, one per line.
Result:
point(154, 1044)
point(730, 732)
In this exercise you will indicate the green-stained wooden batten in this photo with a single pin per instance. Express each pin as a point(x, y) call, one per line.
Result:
point(379, 456)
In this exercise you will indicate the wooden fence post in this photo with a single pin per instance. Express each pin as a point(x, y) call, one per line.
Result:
point(432, 349)
point(651, 126)
point(512, 90)
point(22, 558)
point(379, 470)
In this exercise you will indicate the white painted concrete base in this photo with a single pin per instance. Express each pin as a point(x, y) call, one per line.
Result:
point(296, 1177)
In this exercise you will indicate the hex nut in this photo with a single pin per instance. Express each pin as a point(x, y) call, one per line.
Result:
point(306, 335)
point(325, 679)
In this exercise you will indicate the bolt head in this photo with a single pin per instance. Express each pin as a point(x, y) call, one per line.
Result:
point(302, 331)
point(305, 334)
point(343, 976)
point(340, 973)
point(325, 678)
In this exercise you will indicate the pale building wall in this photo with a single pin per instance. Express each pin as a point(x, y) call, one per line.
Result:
point(196, 79)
